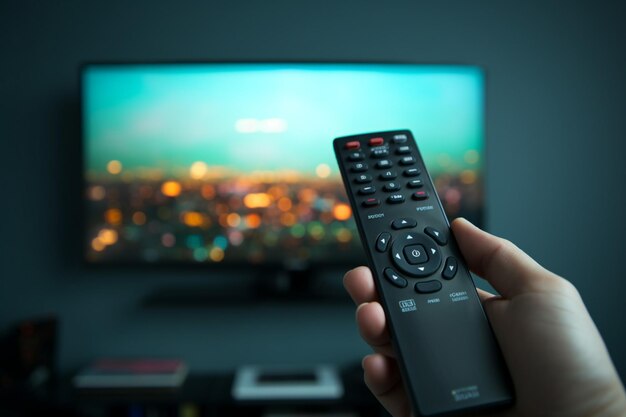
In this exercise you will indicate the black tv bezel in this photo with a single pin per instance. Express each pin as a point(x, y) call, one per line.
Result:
point(239, 264)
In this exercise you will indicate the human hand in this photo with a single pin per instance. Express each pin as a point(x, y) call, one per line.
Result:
point(556, 356)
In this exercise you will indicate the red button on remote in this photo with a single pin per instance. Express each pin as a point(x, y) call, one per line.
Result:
point(355, 144)
point(376, 141)
point(420, 195)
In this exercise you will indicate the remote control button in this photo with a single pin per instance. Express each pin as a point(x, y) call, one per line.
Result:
point(412, 172)
point(407, 160)
point(391, 186)
point(353, 145)
point(380, 152)
point(439, 237)
point(404, 223)
point(402, 138)
point(358, 167)
point(401, 258)
point(384, 163)
point(415, 254)
point(369, 189)
point(428, 287)
point(371, 202)
point(449, 270)
point(395, 198)
point(394, 278)
point(382, 241)
point(420, 195)
point(356, 156)
point(376, 141)
point(403, 150)
point(389, 175)
point(363, 179)
point(415, 184)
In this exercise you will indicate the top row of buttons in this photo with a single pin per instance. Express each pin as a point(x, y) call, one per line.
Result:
point(377, 141)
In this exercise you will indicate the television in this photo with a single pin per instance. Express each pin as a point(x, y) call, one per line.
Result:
point(232, 163)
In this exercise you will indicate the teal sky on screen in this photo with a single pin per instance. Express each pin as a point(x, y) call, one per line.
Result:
point(252, 117)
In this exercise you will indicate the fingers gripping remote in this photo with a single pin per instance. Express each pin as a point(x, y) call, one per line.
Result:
point(448, 356)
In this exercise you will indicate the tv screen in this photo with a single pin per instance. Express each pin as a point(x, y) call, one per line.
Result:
point(232, 163)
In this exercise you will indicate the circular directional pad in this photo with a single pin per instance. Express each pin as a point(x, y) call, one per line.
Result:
point(416, 254)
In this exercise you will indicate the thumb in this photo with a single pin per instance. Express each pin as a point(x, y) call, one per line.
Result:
point(506, 267)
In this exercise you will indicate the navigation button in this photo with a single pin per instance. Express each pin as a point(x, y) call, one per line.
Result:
point(438, 236)
point(404, 223)
point(394, 278)
point(449, 270)
point(382, 241)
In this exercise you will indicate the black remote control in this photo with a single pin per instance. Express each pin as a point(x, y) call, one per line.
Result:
point(448, 355)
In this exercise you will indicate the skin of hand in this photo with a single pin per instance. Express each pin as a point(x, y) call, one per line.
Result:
point(555, 354)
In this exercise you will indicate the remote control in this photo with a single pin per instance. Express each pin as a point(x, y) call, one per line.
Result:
point(448, 356)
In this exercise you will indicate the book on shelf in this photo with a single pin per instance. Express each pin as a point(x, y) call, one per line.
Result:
point(132, 373)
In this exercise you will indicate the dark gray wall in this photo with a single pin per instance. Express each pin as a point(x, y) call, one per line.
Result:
point(555, 126)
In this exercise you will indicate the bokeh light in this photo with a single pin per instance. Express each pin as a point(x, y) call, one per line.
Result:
point(198, 170)
point(323, 170)
point(113, 216)
point(342, 211)
point(257, 200)
point(171, 188)
point(114, 167)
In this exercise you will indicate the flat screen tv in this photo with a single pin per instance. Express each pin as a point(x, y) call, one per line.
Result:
point(232, 163)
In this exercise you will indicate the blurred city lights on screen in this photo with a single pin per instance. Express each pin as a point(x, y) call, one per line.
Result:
point(216, 172)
